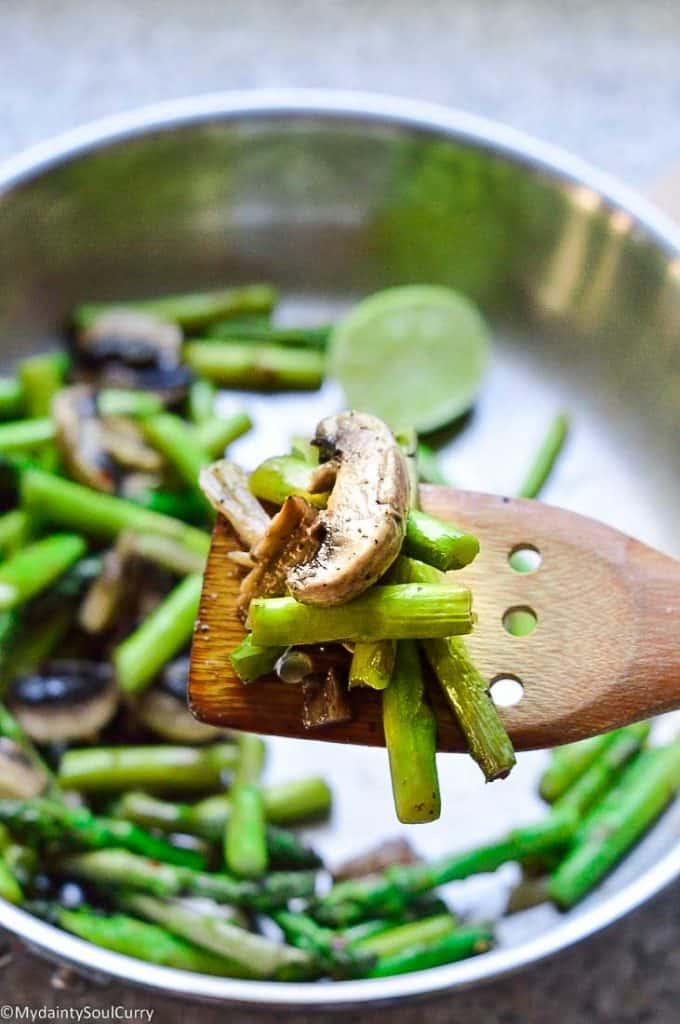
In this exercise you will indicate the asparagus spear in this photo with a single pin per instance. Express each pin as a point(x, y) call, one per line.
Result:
point(11, 398)
point(25, 435)
point(103, 769)
point(429, 470)
point(255, 954)
point(252, 661)
point(100, 515)
point(277, 478)
point(402, 611)
point(167, 553)
point(545, 458)
point(216, 433)
point(208, 819)
point(121, 402)
point(245, 843)
point(191, 311)
point(41, 377)
point(372, 664)
point(36, 566)
point(622, 745)
point(164, 633)
point(302, 337)
point(437, 543)
point(124, 870)
point(456, 945)
point(55, 825)
point(185, 505)
point(176, 440)
point(14, 528)
point(201, 400)
point(331, 951)
point(411, 740)
point(10, 889)
point(567, 763)
point(256, 367)
point(614, 824)
point(148, 942)
point(394, 940)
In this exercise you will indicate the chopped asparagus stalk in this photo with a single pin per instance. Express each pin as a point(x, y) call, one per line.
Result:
point(201, 400)
point(14, 530)
point(217, 433)
point(25, 435)
point(10, 889)
point(164, 633)
point(245, 843)
point(11, 398)
point(301, 337)
point(97, 514)
point(567, 763)
point(456, 945)
point(256, 367)
point(192, 311)
point(545, 458)
point(437, 543)
point(252, 661)
point(41, 377)
point(429, 470)
point(331, 951)
point(176, 440)
point(372, 664)
point(411, 740)
point(401, 611)
point(280, 477)
point(392, 941)
point(36, 566)
point(105, 769)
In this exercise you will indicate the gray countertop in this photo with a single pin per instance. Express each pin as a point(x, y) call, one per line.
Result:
point(600, 78)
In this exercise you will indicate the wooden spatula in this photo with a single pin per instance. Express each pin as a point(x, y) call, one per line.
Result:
point(605, 650)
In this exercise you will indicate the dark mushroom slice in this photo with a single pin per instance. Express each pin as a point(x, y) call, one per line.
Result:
point(163, 708)
point(325, 700)
point(361, 530)
point(20, 777)
point(67, 700)
point(375, 860)
point(225, 485)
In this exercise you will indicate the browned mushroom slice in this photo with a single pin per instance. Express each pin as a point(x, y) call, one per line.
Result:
point(289, 539)
point(124, 441)
point(20, 777)
point(325, 701)
point(362, 529)
point(79, 438)
point(67, 700)
point(384, 855)
point(121, 578)
point(163, 708)
point(225, 485)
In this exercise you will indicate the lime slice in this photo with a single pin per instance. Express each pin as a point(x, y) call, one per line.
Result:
point(413, 355)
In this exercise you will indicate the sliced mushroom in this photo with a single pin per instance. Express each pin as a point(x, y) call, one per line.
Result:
point(128, 348)
point(20, 777)
point(289, 539)
point(124, 441)
point(361, 531)
point(79, 438)
point(68, 700)
point(384, 855)
point(163, 708)
point(120, 579)
point(225, 485)
point(325, 700)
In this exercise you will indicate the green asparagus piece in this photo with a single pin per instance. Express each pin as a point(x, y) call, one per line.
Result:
point(372, 664)
point(48, 822)
point(41, 378)
point(208, 819)
point(567, 763)
point(301, 337)
point(256, 367)
point(121, 402)
point(201, 400)
point(122, 870)
point(11, 398)
point(164, 633)
point(185, 505)
point(437, 543)
point(395, 940)
point(25, 435)
point(217, 433)
point(100, 515)
point(105, 769)
point(545, 458)
point(429, 470)
point(288, 803)
point(169, 554)
point(260, 957)
point(192, 311)
point(465, 689)
point(245, 843)
point(456, 945)
point(251, 661)
point(176, 440)
point(19, 862)
point(10, 889)
point(148, 942)
point(411, 740)
point(593, 783)
point(617, 822)
point(14, 529)
point(334, 954)
point(277, 478)
point(402, 611)
point(36, 566)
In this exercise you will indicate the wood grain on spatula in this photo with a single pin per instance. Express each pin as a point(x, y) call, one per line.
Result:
point(605, 650)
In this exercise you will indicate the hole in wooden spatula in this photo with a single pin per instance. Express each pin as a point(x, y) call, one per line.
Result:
point(525, 558)
point(506, 691)
point(520, 621)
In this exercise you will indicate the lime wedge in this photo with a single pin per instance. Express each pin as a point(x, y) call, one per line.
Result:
point(413, 355)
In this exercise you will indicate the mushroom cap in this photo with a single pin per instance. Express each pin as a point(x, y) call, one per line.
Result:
point(67, 700)
point(164, 709)
point(20, 777)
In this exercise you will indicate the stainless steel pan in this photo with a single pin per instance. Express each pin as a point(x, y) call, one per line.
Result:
point(333, 196)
